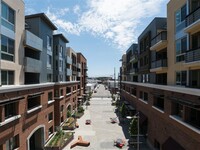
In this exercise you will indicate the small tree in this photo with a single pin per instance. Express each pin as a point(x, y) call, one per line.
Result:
point(133, 129)
point(123, 111)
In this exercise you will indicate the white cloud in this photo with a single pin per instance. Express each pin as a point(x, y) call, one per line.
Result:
point(117, 21)
point(76, 9)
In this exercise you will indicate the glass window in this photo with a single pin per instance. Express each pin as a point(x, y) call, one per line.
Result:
point(181, 77)
point(50, 116)
point(12, 143)
point(50, 96)
point(8, 16)
point(180, 15)
point(7, 77)
point(10, 110)
point(181, 47)
point(48, 41)
point(7, 47)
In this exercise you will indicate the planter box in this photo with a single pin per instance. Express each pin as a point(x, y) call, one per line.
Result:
point(79, 116)
point(66, 142)
point(68, 127)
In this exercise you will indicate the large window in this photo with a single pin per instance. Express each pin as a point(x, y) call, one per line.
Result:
point(50, 96)
point(159, 102)
point(12, 143)
point(49, 59)
point(180, 15)
point(177, 109)
point(8, 17)
point(48, 42)
point(10, 110)
point(34, 102)
point(181, 77)
point(7, 48)
point(193, 117)
point(50, 116)
point(7, 77)
point(181, 47)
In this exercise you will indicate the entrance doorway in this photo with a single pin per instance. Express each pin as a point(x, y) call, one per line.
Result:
point(36, 139)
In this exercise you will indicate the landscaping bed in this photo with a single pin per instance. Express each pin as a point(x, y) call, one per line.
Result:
point(59, 140)
point(70, 124)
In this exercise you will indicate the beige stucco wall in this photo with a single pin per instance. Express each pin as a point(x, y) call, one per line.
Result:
point(17, 65)
point(172, 7)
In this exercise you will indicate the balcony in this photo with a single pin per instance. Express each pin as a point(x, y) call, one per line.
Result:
point(74, 72)
point(32, 65)
point(68, 72)
point(159, 66)
point(193, 21)
point(79, 65)
point(78, 74)
point(86, 68)
point(133, 71)
point(159, 41)
point(192, 57)
point(133, 58)
point(33, 41)
point(69, 60)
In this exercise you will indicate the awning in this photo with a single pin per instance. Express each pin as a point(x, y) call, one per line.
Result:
point(126, 102)
point(131, 108)
point(11, 100)
point(156, 94)
point(35, 94)
point(185, 102)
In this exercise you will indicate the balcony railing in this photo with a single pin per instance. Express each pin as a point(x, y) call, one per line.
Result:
point(69, 60)
point(159, 63)
point(192, 55)
point(193, 17)
point(33, 41)
point(159, 37)
point(32, 65)
point(68, 72)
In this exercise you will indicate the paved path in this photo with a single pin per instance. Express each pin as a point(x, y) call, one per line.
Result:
point(101, 133)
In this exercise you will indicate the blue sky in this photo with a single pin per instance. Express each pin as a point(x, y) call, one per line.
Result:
point(102, 30)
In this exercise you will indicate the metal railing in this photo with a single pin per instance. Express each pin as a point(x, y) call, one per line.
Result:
point(159, 63)
point(192, 17)
point(159, 37)
point(192, 55)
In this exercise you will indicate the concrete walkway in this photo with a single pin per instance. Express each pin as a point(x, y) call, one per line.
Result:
point(101, 133)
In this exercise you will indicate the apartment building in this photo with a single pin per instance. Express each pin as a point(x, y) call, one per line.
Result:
point(168, 106)
point(32, 106)
point(123, 68)
point(73, 66)
point(145, 55)
point(59, 70)
point(12, 28)
point(132, 63)
point(41, 26)
point(82, 76)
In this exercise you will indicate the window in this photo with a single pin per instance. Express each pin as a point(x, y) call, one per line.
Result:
point(8, 17)
point(49, 77)
point(61, 92)
point(181, 47)
point(12, 143)
point(68, 90)
point(51, 130)
point(7, 48)
point(7, 77)
point(193, 117)
point(10, 110)
point(177, 109)
point(50, 96)
point(61, 51)
point(180, 15)
point(50, 116)
point(181, 77)
point(159, 102)
point(56, 93)
point(49, 61)
point(33, 102)
point(48, 42)
point(145, 96)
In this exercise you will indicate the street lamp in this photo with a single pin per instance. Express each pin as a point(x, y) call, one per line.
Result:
point(137, 116)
